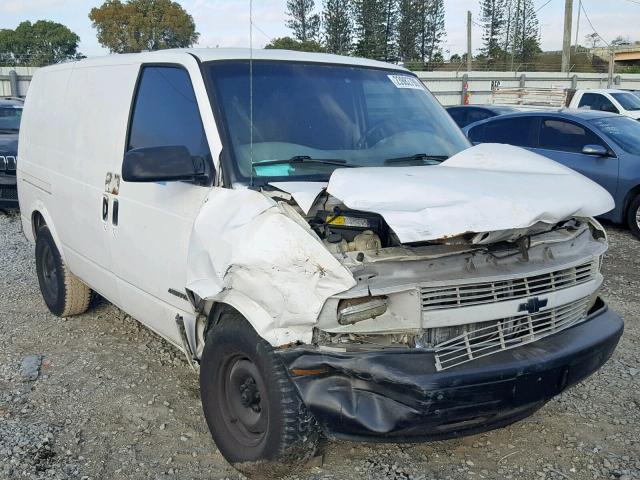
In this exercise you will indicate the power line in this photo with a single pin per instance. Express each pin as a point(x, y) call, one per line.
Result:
point(544, 5)
point(592, 27)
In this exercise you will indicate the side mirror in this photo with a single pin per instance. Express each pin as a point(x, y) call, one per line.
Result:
point(161, 164)
point(595, 150)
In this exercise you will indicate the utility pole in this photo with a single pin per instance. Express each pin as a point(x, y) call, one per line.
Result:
point(566, 43)
point(469, 49)
point(612, 67)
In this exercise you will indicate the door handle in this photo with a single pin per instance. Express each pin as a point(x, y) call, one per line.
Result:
point(114, 212)
point(105, 208)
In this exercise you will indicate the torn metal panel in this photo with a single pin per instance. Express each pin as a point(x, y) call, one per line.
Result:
point(486, 188)
point(304, 193)
point(246, 247)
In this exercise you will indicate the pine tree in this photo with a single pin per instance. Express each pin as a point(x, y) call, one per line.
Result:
point(408, 30)
point(493, 22)
point(431, 30)
point(369, 18)
point(337, 25)
point(304, 23)
point(390, 30)
point(530, 33)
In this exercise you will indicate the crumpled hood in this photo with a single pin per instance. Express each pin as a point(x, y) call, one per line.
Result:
point(486, 188)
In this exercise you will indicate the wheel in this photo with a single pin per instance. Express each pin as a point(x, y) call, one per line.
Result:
point(633, 216)
point(253, 411)
point(63, 292)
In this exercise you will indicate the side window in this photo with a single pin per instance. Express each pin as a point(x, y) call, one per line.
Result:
point(476, 114)
point(566, 136)
point(596, 101)
point(459, 116)
point(166, 113)
point(512, 131)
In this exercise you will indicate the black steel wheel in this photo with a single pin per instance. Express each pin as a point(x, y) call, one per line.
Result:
point(252, 408)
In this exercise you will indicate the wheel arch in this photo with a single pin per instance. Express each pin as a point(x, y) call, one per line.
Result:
point(38, 217)
point(631, 194)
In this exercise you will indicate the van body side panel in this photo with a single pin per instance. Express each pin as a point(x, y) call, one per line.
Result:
point(97, 108)
point(41, 150)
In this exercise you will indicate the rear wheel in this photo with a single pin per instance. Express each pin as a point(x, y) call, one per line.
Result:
point(253, 411)
point(62, 291)
point(633, 216)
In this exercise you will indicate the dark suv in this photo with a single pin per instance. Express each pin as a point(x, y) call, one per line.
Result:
point(10, 114)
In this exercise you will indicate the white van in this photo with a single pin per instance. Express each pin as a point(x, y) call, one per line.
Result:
point(318, 235)
point(607, 100)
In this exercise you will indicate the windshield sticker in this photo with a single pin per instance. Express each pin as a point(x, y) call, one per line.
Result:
point(406, 81)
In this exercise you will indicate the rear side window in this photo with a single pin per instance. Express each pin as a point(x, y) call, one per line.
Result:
point(459, 116)
point(512, 131)
point(595, 101)
point(566, 136)
point(166, 112)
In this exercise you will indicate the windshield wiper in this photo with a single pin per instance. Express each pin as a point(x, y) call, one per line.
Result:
point(418, 157)
point(305, 159)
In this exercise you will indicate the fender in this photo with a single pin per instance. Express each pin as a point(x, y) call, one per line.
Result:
point(27, 224)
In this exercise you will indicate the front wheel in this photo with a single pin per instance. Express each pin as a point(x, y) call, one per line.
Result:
point(633, 216)
point(253, 411)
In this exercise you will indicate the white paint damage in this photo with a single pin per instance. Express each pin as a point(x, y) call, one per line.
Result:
point(486, 188)
point(261, 256)
point(251, 252)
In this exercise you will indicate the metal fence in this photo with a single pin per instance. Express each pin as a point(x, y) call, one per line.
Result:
point(450, 87)
point(14, 81)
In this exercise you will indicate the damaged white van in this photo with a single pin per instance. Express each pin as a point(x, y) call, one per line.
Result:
point(316, 233)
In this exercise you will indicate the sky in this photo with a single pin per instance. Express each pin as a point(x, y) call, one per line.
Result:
point(225, 23)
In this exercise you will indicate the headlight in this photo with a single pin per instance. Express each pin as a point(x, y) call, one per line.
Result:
point(354, 310)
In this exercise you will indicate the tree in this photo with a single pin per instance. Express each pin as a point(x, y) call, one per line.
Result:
point(492, 14)
point(337, 25)
point(369, 19)
point(288, 43)
point(38, 44)
point(620, 41)
point(304, 23)
point(138, 25)
point(408, 30)
point(593, 39)
point(431, 30)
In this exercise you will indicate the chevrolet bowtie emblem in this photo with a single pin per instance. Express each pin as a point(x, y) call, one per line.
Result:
point(534, 305)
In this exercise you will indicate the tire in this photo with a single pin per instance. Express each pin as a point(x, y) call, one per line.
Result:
point(633, 216)
point(63, 292)
point(254, 413)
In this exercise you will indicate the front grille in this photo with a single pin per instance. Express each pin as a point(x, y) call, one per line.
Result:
point(482, 339)
point(8, 193)
point(455, 296)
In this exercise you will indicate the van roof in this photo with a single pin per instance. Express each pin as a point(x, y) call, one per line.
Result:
point(218, 54)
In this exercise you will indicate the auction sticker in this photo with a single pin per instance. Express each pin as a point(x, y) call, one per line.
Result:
point(406, 81)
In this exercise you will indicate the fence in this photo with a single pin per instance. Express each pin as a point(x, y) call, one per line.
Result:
point(14, 81)
point(450, 87)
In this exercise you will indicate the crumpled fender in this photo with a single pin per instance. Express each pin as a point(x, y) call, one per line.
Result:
point(251, 252)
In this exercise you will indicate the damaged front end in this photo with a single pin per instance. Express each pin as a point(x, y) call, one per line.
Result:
point(410, 304)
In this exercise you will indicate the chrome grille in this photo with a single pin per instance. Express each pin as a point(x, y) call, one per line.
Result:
point(480, 340)
point(466, 295)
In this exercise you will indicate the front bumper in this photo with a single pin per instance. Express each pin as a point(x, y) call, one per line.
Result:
point(398, 396)
point(8, 191)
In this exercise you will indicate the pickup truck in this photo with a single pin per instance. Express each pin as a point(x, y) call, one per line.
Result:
point(607, 100)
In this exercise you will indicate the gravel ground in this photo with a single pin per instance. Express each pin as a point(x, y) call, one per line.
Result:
point(114, 401)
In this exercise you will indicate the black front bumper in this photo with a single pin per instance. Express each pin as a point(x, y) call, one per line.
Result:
point(8, 191)
point(398, 396)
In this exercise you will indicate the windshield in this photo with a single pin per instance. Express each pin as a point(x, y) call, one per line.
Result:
point(628, 101)
point(623, 130)
point(10, 118)
point(309, 119)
